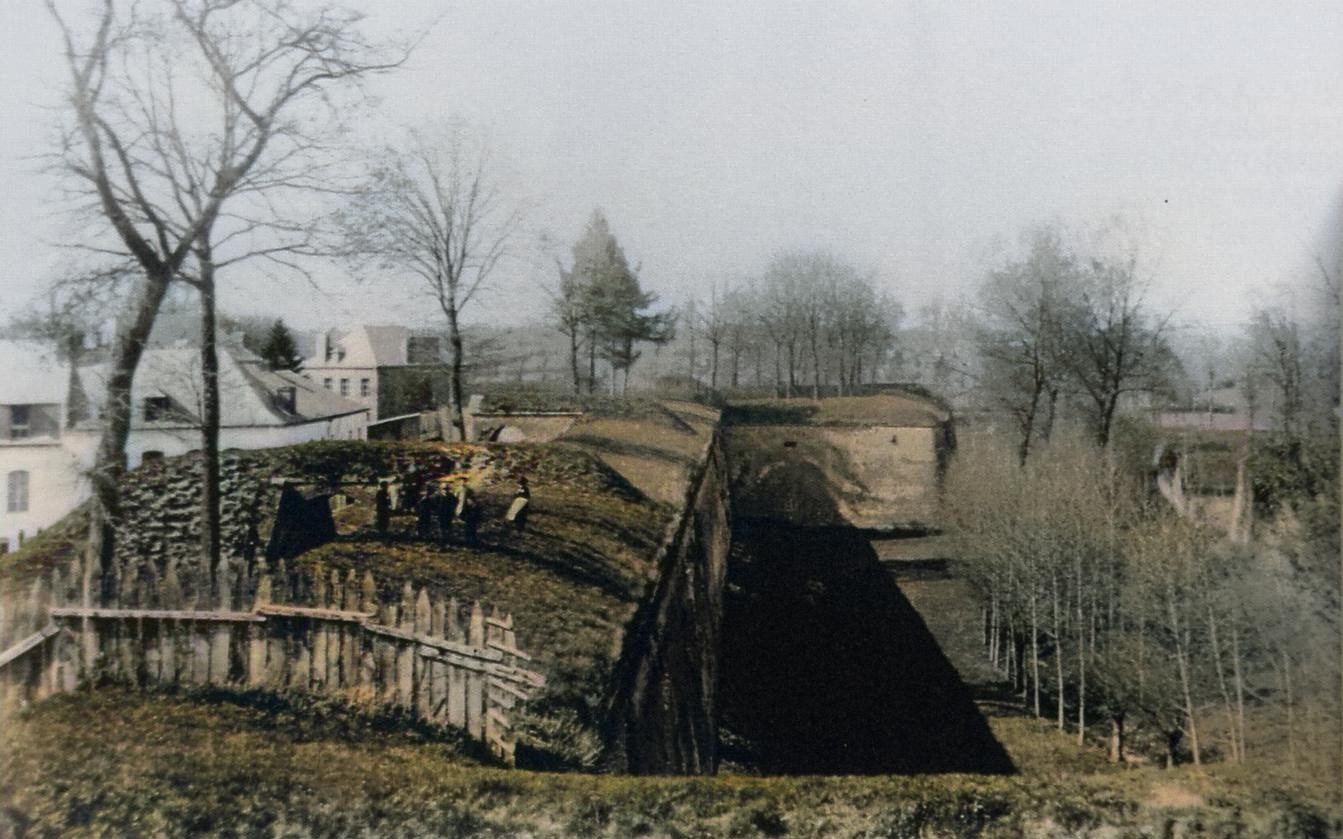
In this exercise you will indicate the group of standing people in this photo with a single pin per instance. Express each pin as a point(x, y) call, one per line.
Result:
point(440, 509)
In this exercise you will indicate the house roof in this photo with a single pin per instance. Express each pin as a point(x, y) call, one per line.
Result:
point(312, 401)
point(33, 374)
point(247, 390)
point(388, 344)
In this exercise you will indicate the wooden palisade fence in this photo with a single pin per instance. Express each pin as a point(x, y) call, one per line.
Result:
point(445, 662)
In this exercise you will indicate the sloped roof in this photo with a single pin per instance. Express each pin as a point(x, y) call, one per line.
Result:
point(33, 374)
point(312, 401)
point(388, 344)
point(246, 390)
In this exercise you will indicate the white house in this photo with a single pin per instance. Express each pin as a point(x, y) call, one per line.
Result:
point(44, 456)
point(352, 361)
point(41, 476)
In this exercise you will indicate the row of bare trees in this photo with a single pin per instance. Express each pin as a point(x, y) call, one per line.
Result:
point(811, 323)
point(1105, 608)
point(1064, 327)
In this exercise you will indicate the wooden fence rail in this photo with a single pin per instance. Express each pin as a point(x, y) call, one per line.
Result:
point(445, 662)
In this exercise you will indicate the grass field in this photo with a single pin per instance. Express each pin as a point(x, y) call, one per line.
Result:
point(242, 765)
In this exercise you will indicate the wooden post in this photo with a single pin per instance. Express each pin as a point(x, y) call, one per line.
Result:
point(405, 651)
point(336, 634)
point(256, 637)
point(318, 631)
point(423, 682)
point(386, 654)
point(475, 680)
point(456, 675)
point(88, 630)
point(367, 662)
point(438, 673)
point(221, 635)
point(349, 663)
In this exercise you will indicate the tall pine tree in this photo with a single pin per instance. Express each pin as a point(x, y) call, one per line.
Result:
point(280, 352)
point(614, 304)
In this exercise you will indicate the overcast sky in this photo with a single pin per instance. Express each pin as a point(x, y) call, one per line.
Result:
point(914, 138)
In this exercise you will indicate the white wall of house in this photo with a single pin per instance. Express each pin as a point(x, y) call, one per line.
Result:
point(55, 485)
point(321, 374)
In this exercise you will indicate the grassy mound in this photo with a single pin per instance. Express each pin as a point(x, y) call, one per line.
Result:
point(572, 579)
point(235, 766)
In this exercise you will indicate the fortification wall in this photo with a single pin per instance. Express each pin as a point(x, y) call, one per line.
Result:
point(880, 477)
point(663, 711)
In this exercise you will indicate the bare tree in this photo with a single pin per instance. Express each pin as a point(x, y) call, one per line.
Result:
point(1110, 342)
point(160, 163)
point(1022, 303)
point(568, 307)
point(435, 209)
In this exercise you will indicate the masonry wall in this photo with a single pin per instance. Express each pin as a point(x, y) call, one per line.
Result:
point(663, 710)
point(874, 477)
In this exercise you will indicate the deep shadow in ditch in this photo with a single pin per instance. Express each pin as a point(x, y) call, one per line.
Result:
point(828, 669)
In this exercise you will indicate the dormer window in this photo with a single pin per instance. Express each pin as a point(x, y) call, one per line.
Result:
point(286, 399)
point(157, 408)
point(20, 421)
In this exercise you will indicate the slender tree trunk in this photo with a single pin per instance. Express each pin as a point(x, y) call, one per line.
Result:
point(713, 366)
point(210, 525)
point(1221, 683)
point(1035, 652)
point(1081, 665)
point(815, 368)
point(1051, 412)
point(1182, 662)
point(1117, 738)
point(778, 369)
point(1240, 690)
point(1058, 651)
point(792, 368)
point(592, 361)
point(110, 462)
point(455, 371)
point(573, 361)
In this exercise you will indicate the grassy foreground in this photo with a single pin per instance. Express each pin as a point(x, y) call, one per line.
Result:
point(238, 765)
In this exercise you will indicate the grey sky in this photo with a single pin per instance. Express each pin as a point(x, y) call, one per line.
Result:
point(911, 137)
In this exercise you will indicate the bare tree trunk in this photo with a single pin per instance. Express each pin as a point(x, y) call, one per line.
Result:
point(573, 361)
point(1221, 683)
point(1081, 661)
point(792, 369)
point(1240, 690)
point(592, 361)
point(1117, 738)
point(211, 556)
point(455, 370)
point(110, 463)
point(1035, 652)
point(1058, 652)
point(778, 369)
point(713, 365)
point(1182, 662)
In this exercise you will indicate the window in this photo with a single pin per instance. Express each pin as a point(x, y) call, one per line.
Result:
point(17, 495)
point(326, 383)
point(364, 388)
point(20, 419)
point(157, 408)
point(286, 399)
point(344, 387)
